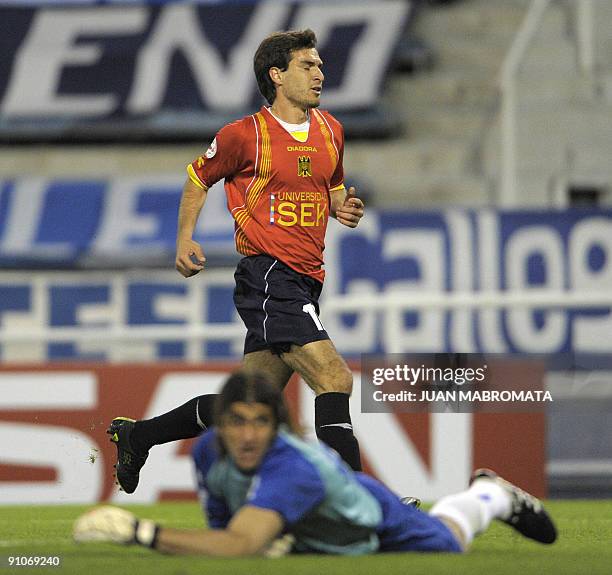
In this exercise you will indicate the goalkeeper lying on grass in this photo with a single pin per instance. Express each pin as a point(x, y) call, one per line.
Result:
point(269, 492)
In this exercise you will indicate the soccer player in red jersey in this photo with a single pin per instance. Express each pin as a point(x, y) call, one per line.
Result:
point(283, 174)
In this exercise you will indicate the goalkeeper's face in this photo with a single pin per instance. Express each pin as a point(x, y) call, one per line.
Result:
point(247, 430)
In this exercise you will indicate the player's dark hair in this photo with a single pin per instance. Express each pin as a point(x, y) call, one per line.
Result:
point(275, 51)
point(251, 387)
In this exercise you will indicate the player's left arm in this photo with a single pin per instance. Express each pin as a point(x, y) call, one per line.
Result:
point(346, 207)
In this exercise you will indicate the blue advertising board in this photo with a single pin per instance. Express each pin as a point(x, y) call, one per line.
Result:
point(177, 70)
point(130, 223)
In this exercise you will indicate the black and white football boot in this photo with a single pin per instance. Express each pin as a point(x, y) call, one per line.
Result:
point(527, 514)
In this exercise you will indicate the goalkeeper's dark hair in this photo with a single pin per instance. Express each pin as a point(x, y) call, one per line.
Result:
point(275, 51)
point(251, 387)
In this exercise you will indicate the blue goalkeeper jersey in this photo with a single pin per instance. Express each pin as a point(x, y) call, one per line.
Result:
point(326, 506)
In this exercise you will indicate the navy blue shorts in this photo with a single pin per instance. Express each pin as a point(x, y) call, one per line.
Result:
point(278, 305)
point(405, 528)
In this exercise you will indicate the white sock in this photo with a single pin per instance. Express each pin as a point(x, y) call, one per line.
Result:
point(494, 496)
point(466, 511)
point(474, 509)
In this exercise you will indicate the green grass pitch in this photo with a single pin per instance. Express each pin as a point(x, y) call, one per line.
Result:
point(584, 547)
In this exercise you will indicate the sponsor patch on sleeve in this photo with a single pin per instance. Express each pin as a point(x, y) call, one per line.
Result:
point(212, 149)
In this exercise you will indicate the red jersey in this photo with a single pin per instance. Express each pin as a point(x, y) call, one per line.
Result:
point(277, 187)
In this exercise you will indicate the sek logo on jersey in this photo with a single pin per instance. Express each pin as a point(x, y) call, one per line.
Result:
point(307, 209)
point(304, 169)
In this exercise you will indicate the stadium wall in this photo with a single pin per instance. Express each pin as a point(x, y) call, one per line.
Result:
point(562, 260)
point(401, 272)
point(53, 446)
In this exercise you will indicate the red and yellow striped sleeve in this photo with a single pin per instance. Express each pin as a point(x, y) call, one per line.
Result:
point(333, 134)
point(194, 177)
point(222, 158)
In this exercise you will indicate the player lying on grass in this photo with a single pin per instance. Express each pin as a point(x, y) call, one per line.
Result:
point(264, 488)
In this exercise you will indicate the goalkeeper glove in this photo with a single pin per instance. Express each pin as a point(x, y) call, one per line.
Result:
point(115, 525)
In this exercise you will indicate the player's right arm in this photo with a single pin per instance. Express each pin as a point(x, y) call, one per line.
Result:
point(187, 250)
point(223, 158)
point(250, 532)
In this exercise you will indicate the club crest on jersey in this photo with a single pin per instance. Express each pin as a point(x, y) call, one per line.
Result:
point(304, 167)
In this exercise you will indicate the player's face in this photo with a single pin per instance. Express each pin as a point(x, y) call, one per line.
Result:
point(247, 430)
point(302, 81)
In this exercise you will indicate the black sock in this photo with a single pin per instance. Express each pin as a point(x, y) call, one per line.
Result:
point(333, 426)
point(184, 422)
